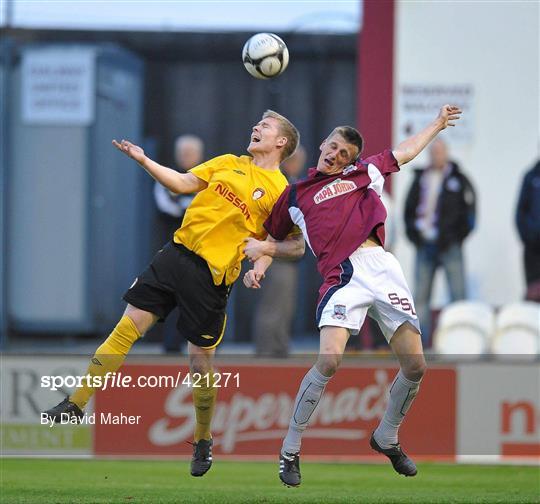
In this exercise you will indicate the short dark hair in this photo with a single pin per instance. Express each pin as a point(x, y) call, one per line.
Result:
point(351, 135)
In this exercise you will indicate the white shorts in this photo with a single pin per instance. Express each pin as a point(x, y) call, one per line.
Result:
point(370, 282)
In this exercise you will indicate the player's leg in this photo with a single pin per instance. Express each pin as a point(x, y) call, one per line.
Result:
point(112, 352)
point(344, 298)
point(202, 322)
point(407, 345)
point(204, 395)
point(425, 268)
point(108, 358)
point(148, 300)
point(394, 310)
point(204, 401)
point(332, 345)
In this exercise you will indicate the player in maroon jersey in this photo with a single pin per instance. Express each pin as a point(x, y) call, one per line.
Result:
point(339, 210)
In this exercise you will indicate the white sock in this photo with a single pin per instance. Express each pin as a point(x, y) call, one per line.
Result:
point(402, 394)
point(310, 391)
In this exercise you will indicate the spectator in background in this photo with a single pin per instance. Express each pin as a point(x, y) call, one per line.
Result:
point(439, 215)
point(528, 224)
point(273, 325)
point(188, 153)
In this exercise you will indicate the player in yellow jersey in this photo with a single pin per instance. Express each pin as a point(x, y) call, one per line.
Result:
point(196, 270)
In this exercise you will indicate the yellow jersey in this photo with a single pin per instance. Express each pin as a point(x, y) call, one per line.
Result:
point(239, 197)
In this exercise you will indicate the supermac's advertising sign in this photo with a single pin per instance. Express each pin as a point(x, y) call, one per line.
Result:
point(252, 413)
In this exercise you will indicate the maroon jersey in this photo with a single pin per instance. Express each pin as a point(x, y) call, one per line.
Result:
point(336, 213)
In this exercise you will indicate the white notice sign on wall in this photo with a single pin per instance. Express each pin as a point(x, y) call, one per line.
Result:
point(420, 103)
point(58, 86)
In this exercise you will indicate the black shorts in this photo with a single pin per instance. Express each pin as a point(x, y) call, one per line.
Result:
point(178, 277)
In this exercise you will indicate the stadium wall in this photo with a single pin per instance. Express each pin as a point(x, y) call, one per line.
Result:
point(475, 411)
point(193, 83)
point(493, 47)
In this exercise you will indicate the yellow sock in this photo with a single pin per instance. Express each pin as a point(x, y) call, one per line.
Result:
point(204, 400)
point(108, 357)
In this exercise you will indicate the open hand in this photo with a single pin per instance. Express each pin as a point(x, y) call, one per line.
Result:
point(133, 151)
point(448, 115)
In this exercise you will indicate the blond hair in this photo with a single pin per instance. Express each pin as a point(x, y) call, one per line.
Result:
point(288, 130)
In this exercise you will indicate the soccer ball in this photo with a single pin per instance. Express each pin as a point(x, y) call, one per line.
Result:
point(265, 55)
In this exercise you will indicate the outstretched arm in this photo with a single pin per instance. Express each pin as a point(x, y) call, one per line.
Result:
point(412, 146)
point(179, 183)
point(292, 247)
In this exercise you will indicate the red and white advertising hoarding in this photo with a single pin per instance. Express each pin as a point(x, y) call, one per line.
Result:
point(251, 419)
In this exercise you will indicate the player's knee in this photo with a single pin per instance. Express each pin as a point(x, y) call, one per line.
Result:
point(415, 369)
point(142, 319)
point(200, 367)
point(199, 364)
point(328, 364)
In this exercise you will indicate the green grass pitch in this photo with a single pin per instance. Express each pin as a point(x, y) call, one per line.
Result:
point(111, 481)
